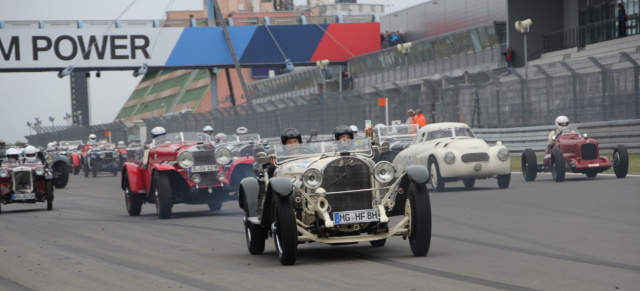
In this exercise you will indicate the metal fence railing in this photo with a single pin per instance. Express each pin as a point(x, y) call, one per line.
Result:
point(589, 34)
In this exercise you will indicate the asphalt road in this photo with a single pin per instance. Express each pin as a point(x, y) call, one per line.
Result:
point(581, 234)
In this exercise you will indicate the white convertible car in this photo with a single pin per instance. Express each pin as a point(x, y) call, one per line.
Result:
point(451, 152)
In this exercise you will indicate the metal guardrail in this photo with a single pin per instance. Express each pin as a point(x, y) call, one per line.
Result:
point(607, 133)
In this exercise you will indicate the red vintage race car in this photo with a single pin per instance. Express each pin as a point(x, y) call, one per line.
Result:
point(178, 167)
point(243, 150)
point(573, 152)
point(74, 152)
point(22, 182)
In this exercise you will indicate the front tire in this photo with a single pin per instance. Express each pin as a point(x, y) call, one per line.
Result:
point(49, 194)
point(133, 201)
point(254, 235)
point(529, 165)
point(434, 171)
point(620, 161)
point(63, 177)
point(162, 191)
point(557, 165)
point(215, 205)
point(285, 233)
point(504, 180)
point(418, 208)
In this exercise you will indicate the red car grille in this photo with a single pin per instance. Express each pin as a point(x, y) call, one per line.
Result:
point(589, 151)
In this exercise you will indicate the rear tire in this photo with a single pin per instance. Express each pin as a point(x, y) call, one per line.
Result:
point(418, 207)
point(162, 191)
point(468, 183)
point(285, 235)
point(529, 165)
point(49, 194)
point(434, 171)
point(557, 165)
point(620, 161)
point(133, 201)
point(504, 180)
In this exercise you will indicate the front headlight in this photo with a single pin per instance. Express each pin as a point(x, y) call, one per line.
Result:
point(384, 172)
point(185, 159)
point(503, 154)
point(312, 178)
point(39, 171)
point(102, 155)
point(196, 178)
point(4, 173)
point(223, 155)
point(221, 176)
point(48, 159)
point(449, 158)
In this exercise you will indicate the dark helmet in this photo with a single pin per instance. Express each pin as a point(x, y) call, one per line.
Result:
point(342, 129)
point(313, 132)
point(290, 133)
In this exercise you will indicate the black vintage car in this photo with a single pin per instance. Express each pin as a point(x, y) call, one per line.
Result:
point(393, 139)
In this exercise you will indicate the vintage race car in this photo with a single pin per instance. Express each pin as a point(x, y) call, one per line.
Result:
point(179, 167)
point(393, 139)
point(243, 150)
point(335, 195)
point(60, 167)
point(73, 150)
point(101, 158)
point(573, 152)
point(452, 152)
point(25, 183)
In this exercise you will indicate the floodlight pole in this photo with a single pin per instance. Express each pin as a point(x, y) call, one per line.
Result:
point(526, 56)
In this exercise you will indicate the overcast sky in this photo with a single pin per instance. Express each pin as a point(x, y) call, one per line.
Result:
point(24, 96)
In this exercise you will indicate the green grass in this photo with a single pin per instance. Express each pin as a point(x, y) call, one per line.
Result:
point(634, 163)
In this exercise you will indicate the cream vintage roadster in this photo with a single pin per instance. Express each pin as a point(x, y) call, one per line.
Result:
point(451, 152)
point(333, 192)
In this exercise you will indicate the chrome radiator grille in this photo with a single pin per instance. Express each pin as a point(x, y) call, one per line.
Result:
point(353, 174)
point(204, 157)
point(22, 180)
point(475, 157)
point(589, 151)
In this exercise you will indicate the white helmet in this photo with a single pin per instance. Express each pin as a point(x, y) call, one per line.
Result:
point(30, 154)
point(121, 144)
point(221, 138)
point(158, 131)
point(562, 122)
point(51, 146)
point(208, 130)
point(92, 137)
point(354, 129)
point(13, 154)
point(242, 130)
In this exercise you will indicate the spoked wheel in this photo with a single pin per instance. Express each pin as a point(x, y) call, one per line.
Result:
point(284, 230)
point(557, 165)
point(468, 183)
point(49, 194)
point(620, 161)
point(63, 176)
point(529, 165)
point(255, 235)
point(378, 243)
point(434, 171)
point(133, 201)
point(418, 209)
point(504, 180)
point(162, 192)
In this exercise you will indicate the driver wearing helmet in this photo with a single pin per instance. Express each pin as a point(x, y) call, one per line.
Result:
point(30, 154)
point(220, 138)
point(208, 130)
point(13, 155)
point(562, 123)
point(87, 147)
point(291, 137)
point(343, 132)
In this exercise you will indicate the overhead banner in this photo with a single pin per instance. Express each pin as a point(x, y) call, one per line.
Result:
point(184, 47)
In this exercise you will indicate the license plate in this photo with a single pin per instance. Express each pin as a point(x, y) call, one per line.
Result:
point(356, 216)
point(204, 168)
point(30, 196)
point(594, 165)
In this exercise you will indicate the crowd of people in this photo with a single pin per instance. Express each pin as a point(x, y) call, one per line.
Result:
point(389, 39)
point(415, 117)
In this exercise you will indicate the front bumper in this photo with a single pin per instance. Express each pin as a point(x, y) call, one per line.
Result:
point(478, 170)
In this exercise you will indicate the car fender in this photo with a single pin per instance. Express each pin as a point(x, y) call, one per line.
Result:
point(76, 160)
point(163, 167)
point(281, 186)
point(61, 158)
point(239, 161)
point(134, 173)
point(249, 192)
point(418, 174)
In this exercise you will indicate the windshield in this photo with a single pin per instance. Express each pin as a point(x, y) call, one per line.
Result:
point(70, 144)
point(400, 131)
point(358, 145)
point(250, 137)
point(571, 129)
point(176, 137)
point(450, 132)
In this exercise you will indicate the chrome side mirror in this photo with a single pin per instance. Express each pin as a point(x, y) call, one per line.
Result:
point(262, 158)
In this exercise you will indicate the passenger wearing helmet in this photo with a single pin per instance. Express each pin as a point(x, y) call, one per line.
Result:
point(291, 137)
point(313, 136)
point(208, 130)
point(562, 123)
point(343, 131)
point(92, 137)
point(241, 130)
point(13, 155)
point(220, 138)
point(157, 132)
point(30, 154)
